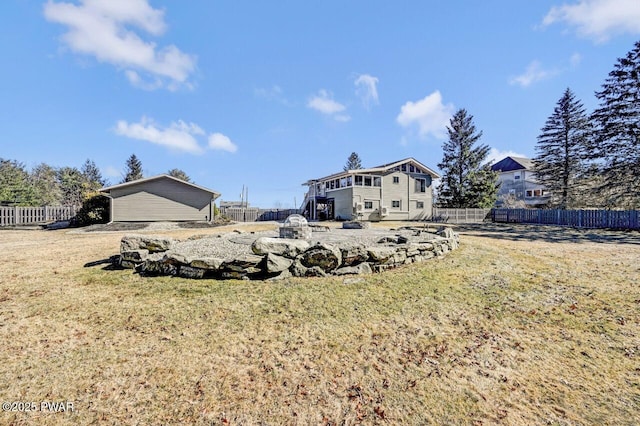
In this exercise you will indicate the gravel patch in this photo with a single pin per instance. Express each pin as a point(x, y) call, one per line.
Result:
point(233, 244)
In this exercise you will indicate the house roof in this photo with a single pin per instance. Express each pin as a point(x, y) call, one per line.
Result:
point(379, 169)
point(158, 177)
point(513, 163)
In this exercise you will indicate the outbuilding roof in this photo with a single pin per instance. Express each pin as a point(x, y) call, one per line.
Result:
point(108, 189)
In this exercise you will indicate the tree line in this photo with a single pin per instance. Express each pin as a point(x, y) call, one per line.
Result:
point(584, 160)
point(45, 185)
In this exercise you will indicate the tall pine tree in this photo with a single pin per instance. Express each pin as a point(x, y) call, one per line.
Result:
point(561, 151)
point(134, 169)
point(617, 141)
point(353, 162)
point(467, 181)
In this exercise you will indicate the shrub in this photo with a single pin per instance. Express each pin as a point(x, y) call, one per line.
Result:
point(95, 209)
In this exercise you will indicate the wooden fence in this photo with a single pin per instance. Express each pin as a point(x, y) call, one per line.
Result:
point(11, 216)
point(459, 215)
point(613, 219)
point(253, 214)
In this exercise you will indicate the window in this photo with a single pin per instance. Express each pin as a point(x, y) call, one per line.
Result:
point(537, 192)
point(333, 184)
point(516, 177)
point(377, 181)
point(368, 205)
point(358, 180)
point(418, 170)
point(419, 204)
point(326, 185)
point(421, 185)
point(367, 181)
point(343, 183)
point(349, 181)
point(395, 204)
point(403, 168)
point(529, 193)
point(396, 179)
point(412, 169)
point(337, 181)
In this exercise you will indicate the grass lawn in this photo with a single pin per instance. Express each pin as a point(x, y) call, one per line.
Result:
point(519, 326)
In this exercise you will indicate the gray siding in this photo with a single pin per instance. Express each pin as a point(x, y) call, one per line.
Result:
point(362, 194)
point(343, 203)
point(405, 192)
point(160, 200)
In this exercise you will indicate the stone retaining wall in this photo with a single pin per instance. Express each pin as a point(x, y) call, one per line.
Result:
point(278, 258)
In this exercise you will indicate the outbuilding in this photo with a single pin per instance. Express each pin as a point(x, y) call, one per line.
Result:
point(160, 198)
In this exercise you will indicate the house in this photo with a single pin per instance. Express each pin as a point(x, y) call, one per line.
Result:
point(518, 182)
point(402, 190)
point(160, 198)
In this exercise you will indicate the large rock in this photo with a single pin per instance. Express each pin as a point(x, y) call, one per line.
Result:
point(274, 263)
point(325, 256)
point(209, 263)
point(243, 264)
point(136, 256)
point(381, 254)
point(356, 224)
point(158, 267)
point(279, 246)
point(361, 268)
point(190, 272)
point(145, 242)
point(353, 253)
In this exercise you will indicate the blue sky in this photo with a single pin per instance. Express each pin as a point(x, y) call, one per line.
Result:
point(271, 94)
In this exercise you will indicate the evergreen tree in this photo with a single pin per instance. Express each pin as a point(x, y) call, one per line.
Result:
point(72, 185)
point(617, 141)
point(15, 185)
point(353, 162)
point(92, 176)
point(134, 169)
point(179, 174)
point(561, 151)
point(467, 181)
point(46, 185)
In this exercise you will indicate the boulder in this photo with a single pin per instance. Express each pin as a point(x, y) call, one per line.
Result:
point(325, 256)
point(190, 272)
point(353, 253)
point(243, 264)
point(361, 268)
point(274, 263)
point(356, 224)
point(279, 246)
point(145, 242)
point(298, 269)
point(209, 263)
point(158, 267)
point(281, 276)
point(380, 254)
point(177, 258)
point(395, 239)
point(136, 256)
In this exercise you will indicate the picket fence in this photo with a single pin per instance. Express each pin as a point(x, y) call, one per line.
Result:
point(17, 215)
point(611, 219)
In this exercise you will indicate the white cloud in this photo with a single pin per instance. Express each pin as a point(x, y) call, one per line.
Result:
point(367, 90)
point(221, 142)
point(598, 19)
point(105, 30)
point(323, 102)
point(496, 155)
point(575, 59)
point(179, 135)
point(532, 74)
point(429, 113)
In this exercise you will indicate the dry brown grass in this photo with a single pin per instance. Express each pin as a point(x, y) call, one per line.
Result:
point(509, 329)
